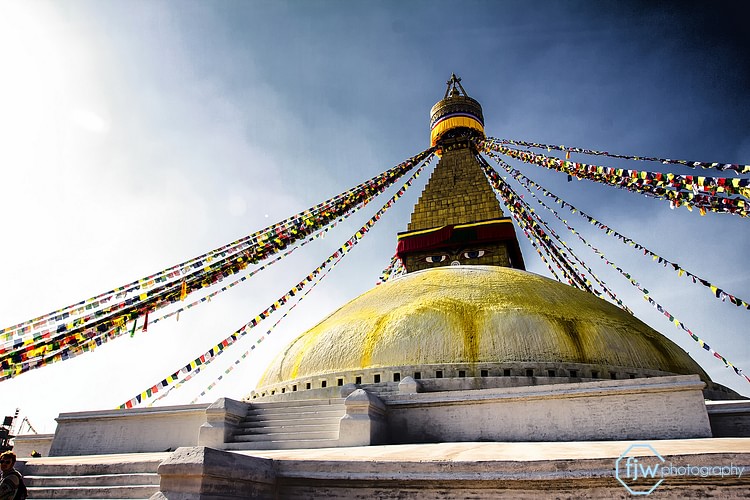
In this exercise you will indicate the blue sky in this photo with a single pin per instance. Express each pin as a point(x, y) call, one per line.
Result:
point(136, 135)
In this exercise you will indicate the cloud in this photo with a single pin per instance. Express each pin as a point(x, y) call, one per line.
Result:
point(90, 121)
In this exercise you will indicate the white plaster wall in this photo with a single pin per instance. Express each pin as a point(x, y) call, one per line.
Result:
point(656, 408)
point(729, 418)
point(128, 431)
point(24, 444)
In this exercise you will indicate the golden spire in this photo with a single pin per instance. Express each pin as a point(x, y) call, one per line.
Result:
point(458, 219)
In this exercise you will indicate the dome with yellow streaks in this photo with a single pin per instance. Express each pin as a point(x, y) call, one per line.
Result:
point(475, 317)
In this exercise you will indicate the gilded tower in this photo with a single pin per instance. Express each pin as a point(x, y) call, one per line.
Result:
point(458, 219)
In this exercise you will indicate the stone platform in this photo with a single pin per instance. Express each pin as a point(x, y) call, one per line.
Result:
point(447, 470)
point(525, 470)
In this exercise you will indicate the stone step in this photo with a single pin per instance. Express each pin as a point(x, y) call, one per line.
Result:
point(383, 389)
point(274, 429)
point(296, 410)
point(275, 414)
point(290, 419)
point(285, 436)
point(266, 420)
point(383, 393)
point(142, 478)
point(283, 445)
point(254, 424)
point(90, 466)
point(86, 492)
point(302, 402)
point(381, 386)
point(88, 477)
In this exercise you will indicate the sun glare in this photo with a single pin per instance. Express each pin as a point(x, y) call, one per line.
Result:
point(33, 73)
point(45, 88)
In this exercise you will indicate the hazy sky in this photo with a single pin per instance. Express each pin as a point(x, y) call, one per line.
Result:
point(135, 135)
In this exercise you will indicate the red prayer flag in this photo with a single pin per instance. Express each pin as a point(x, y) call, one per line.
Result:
point(145, 322)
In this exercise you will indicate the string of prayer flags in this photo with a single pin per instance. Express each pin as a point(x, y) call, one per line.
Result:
point(61, 354)
point(494, 177)
point(527, 220)
point(259, 245)
point(124, 293)
point(115, 331)
point(125, 311)
point(217, 349)
point(533, 242)
point(520, 179)
point(531, 227)
point(394, 268)
point(603, 285)
point(41, 348)
point(627, 276)
point(348, 245)
point(740, 169)
point(244, 355)
point(700, 341)
point(709, 193)
point(207, 298)
point(716, 291)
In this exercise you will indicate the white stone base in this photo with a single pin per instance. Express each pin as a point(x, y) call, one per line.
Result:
point(25, 444)
point(128, 431)
point(651, 408)
point(448, 471)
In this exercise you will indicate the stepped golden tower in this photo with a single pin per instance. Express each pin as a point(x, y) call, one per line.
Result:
point(458, 219)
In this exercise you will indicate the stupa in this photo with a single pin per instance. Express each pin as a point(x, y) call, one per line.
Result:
point(466, 314)
point(477, 378)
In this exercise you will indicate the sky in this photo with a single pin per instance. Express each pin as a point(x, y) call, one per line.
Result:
point(136, 135)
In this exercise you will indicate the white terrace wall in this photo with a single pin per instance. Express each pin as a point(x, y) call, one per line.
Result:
point(127, 431)
point(728, 418)
point(646, 408)
point(25, 444)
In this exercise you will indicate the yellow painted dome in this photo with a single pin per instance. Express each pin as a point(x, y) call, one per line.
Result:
point(475, 315)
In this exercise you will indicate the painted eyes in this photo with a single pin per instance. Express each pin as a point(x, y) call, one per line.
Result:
point(436, 258)
point(471, 254)
point(474, 254)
